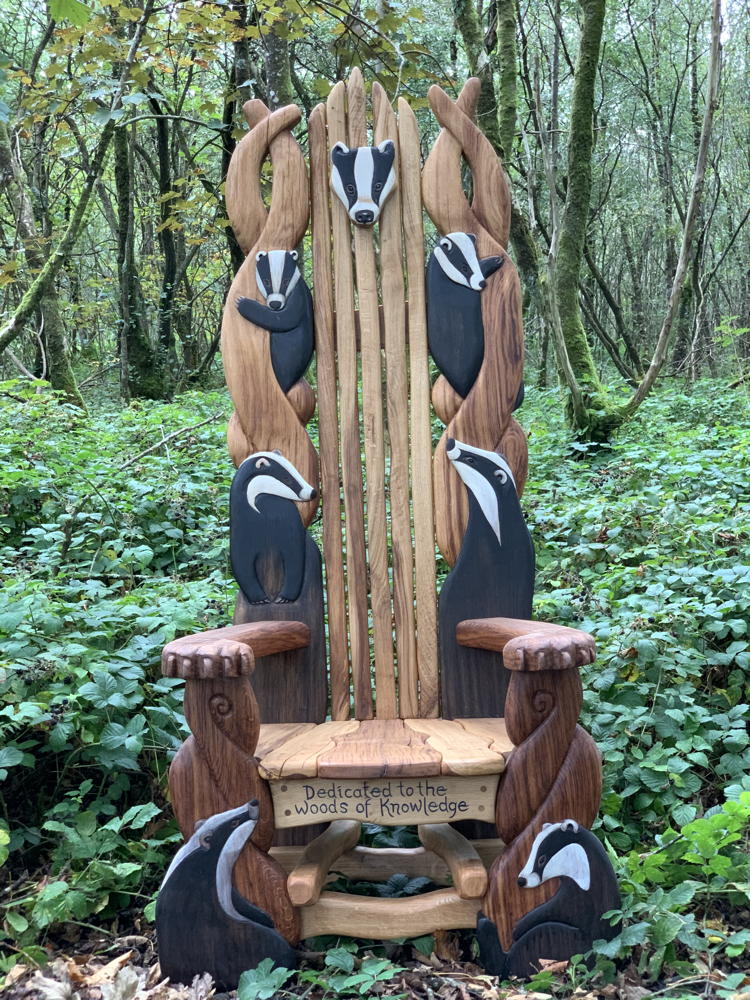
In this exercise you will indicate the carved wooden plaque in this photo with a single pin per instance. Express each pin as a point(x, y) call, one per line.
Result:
point(387, 801)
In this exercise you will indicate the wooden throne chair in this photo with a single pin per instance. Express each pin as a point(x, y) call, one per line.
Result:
point(371, 694)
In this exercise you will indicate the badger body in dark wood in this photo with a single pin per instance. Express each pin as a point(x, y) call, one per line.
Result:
point(202, 923)
point(455, 331)
point(568, 923)
point(493, 577)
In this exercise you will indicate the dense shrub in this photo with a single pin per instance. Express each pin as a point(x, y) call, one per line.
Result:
point(105, 556)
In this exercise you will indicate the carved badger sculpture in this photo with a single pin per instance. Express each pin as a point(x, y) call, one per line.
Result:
point(571, 921)
point(287, 315)
point(455, 332)
point(203, 924)
point(267, 536)
point(493, 577)
point(363, 178)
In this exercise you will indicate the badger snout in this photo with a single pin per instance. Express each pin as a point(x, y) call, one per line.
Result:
point(309, 493)
point(522, 881)
point(364, 217)
point(276, 301)
point(482, 284)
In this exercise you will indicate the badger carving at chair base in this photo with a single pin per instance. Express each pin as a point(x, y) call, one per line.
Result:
point(570, 922)
point(203, 924)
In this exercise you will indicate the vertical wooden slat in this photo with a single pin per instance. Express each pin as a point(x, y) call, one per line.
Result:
point(394, 321)
point(351, 465)
point(421, 436)
point(386, 706)
point(328, 414)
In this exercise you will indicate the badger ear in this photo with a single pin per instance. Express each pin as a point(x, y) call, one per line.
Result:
point(569, 826)
point(445, 243)
point(339, 149)
point(473, 238)
point(546, 826)
point(293, 254)
point(386, 146)
point(260, 255)
point(275, 451)
point(198, 824)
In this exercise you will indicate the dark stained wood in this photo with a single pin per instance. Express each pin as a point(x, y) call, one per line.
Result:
point(203, 923)
point(574, 793)
point(492, 576)
point(454, 312)
point(528, 645)
point(291, 329)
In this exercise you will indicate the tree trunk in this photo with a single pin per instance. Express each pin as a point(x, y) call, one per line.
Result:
point(57, 364)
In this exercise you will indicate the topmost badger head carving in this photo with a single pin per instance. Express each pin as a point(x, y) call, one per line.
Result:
point(363, 178)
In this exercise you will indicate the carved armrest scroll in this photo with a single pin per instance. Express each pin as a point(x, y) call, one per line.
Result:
point(230, 651)
point(528, 645)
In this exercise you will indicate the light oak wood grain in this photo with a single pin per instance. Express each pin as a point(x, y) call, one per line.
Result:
point(360, 916)
point(306, 881)
point(394, 323)
point(419, 412)
point(373, 864)
point(466, 751)
point(466, 868)
point(379, 748)
point(351, 462)
point(325, 348)
point(386, 706)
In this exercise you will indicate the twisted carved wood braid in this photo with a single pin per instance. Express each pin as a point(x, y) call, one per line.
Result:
point(483, 418)
point(265, 417)
point(215, 770)
point(553, 774)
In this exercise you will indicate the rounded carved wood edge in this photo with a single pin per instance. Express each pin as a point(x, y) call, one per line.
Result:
point(193, 659)
point(546, 650)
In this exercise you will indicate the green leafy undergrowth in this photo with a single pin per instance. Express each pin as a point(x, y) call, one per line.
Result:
point(107, 553)
point(342, 975)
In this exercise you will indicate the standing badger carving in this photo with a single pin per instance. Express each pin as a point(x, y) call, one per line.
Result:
point(270, 550)
point(363, 178)
point(203, 924)
point(493, 577)
point(287, 314)
point(455, 331)
point(570, 922)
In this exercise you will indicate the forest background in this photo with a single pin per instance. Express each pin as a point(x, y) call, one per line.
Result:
point(625, 135)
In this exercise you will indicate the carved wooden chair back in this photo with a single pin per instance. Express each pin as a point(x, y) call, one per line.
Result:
point(386, 497)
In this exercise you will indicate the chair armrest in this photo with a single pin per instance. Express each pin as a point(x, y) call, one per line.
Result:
point(230, 651)
point(527, 645)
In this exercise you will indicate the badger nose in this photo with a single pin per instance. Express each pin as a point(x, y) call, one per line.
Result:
point(482, 283)
point(522, 881)
point(364, 217)
point(450, 444)
point(274, 304)
point(313, 494)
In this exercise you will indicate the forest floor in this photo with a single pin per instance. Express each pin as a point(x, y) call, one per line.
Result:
point(113, 539)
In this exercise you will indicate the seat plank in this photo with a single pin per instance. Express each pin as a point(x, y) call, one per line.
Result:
point(328, 414)
point(372, 421)
point(421, 431)
point(298, 758)
point(464, 751)
point(378, 749)
point(273, 734)
point(351, 462)
point(491, 729)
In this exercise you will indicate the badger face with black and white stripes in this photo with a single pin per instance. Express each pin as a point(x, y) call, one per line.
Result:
point(557, 852)
point(456, 254)
point(363, 178)
point(487, 475)
point(276, 274)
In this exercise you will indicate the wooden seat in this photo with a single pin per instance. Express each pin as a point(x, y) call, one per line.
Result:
point(380, 748)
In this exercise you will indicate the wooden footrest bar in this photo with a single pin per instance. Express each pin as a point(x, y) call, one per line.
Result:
point(308, 877)
point(466, 868)
point(384, 919)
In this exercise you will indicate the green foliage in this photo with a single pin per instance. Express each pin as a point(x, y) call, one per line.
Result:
point(343, 975)
point(644, 543)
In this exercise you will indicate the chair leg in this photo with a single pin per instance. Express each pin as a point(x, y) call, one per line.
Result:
point(214, 771)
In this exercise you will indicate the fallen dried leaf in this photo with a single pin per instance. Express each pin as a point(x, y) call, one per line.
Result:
point(109, 970)
point(15, 973)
